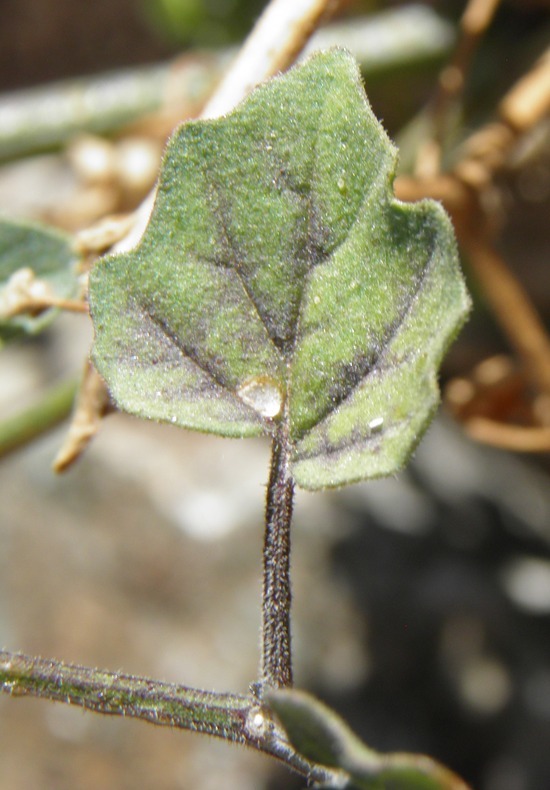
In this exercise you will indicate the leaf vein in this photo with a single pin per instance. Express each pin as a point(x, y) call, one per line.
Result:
point(160, 324)
point(374, 365)
point(236, 259)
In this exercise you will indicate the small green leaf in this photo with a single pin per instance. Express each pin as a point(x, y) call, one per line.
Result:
point(320, 735)
point(315, 731)
point(49, 255)
point(280, 279)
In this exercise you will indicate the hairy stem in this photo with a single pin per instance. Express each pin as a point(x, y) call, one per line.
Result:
point(276, 653)
point(233, 717)
point(114, 693)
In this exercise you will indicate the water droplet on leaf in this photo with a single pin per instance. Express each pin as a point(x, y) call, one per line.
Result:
point(263, 394)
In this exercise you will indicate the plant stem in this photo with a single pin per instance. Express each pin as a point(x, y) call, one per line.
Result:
point(113, 693)
point(475, 20)
point(277, 38)
point(276, 653)
point(233, 717)
point(20, 429)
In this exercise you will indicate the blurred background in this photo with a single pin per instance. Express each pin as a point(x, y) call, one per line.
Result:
point(421, 602)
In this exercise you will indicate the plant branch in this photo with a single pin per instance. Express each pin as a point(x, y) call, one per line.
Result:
point(474, 22)
point(519, 438)
point(124, 695)
point(233, 717)
point(21, 428)
point(513, 309)
point(273, 44)
point(276, 40)
point(276, 652)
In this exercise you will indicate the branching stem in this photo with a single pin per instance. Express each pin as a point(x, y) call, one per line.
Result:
point(276, 654)
point(233, 717)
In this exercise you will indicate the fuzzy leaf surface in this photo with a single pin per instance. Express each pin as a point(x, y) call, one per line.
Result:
point(280, 279)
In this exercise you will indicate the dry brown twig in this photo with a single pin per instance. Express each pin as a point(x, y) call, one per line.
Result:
point(278, 37)
point(493, 406)
point(25, 293)
point(475, 20)
point(92, 403)
point(467, 193)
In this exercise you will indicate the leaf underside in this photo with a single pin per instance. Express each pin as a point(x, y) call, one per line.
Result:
point(280, 279)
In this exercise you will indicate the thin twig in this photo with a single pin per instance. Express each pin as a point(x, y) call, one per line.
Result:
point(474, 22)
point(518, 438)
point(487, 150)
point(461, 192)
point(529, 99)
point(513, 309)
point(510, 303)
point(91, 405)
point(277, 39)
point(274, 43)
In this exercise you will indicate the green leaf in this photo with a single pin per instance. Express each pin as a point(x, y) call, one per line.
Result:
point(320, 735)
point(49, 254)
point(280, 279)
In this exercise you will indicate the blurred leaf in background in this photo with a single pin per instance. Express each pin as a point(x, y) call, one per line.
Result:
point(203, 22)
point(38, 265)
